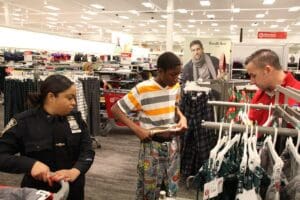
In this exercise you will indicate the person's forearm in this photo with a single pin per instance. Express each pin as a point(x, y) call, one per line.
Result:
point(120, 116)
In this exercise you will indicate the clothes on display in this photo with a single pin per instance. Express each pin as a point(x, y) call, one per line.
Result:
point(197, 141)
point(16, 89)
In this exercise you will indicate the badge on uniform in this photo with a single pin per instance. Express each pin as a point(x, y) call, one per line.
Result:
point(73, 124)
point(12, 122)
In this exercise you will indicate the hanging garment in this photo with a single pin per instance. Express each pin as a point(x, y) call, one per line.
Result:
point(197, 141)
point(80, 100)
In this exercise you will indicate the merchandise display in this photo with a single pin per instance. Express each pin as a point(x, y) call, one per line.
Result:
point(241, 109)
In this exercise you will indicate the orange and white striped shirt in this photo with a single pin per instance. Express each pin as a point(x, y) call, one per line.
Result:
point(155, 104)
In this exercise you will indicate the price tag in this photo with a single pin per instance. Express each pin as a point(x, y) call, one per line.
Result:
point(210, 190)
point(220, 182)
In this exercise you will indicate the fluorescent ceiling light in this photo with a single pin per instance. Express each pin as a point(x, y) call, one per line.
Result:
point(191, 25)
point(183, 11)
point(210, 16)
point(214, 24)
point(164, 16)
point(51, 18)
point(147, 4)
point(274, 26)
point(297, 24)
point(235, 10)
point(162, 26)
point(260, 15)
point(116, 21)
point(185, 30)
point(53, 14)
point(192, 20)
point(177, 24)
point(280, 20)
point(89, 12)
point(250, 30)
point(134, 12)
point(85, 18)
point(130, 26)
point(94, 26)
point(205, 3)
point(294, 9)
point(152, 21)
point(268, 2)
point(16, 14)
point(123, 17)
point(142, 25)
point(254, 24)
point(217, 30)
point(52, 7)
point(98, 6)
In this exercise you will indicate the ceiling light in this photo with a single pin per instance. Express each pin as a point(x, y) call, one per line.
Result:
point(52, 8)
point(217, 30)
point(17, 9)
point(254, 24)
point(205, 3)
point(142, 24)
point(209, 16)
point(164, 16)
point(123, 17)
point(177, 24)
point(260, 15)
point(192, 20)
point(287, 29)
point(130, 26)
point(94, 26)
point(280, 20)
point(152, 21)
point(236, 10)
point(297, 24)
point(89, 12)
point(16, 14)
point(214, 24)
point(16, 19)
point(134, 12)
point(85, 18)
point(116, 21)
point(183, 11)
point(79, 25)
point(268, 2)
point(51, 18)
point(53, 14)
point(155, 30)
point(162, 26)
point(191, 25)
point(294, 9)
point(97, 6)
point(185, 30)
point(274, 26)
point(231, 19)
point(148, 4)
point(250, 30)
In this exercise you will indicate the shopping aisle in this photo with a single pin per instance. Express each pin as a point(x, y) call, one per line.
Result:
point(113, 173)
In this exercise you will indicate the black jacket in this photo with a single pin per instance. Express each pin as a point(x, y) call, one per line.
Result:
point(59, 142)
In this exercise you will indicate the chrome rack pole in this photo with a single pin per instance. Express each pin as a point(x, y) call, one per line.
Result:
point(287, 117)
point(225, 103)
point(242, 128)
point(288, 92)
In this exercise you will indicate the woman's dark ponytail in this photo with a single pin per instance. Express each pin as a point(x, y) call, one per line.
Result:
point(34, 100)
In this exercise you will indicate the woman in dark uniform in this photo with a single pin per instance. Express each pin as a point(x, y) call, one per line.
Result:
point(52, 139)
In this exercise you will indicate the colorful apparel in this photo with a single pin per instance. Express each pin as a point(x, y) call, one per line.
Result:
point(158, 162)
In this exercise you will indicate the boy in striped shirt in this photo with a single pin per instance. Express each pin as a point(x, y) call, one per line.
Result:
point(156, 101)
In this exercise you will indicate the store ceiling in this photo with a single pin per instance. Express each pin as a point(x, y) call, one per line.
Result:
point(77, 18)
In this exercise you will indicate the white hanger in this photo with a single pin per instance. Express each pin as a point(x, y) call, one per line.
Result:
point(275, 136)
point(298, 140)
point(213, 152)
point(243, 164)
point(270, 117)
point(291, 148)
point(221, 154)
point(192, 86)
point(253, 161)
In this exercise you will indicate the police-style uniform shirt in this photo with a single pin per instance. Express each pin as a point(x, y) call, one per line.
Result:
point(60, 142)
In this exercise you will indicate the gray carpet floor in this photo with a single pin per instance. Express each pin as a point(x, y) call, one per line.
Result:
point(113, 173)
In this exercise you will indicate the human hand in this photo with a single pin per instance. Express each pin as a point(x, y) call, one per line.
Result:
point(69, 175)
point(182, 124)
point(41, 172)
point(145, 135)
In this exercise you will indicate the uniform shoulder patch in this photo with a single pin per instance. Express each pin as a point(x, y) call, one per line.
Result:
point(9, 125)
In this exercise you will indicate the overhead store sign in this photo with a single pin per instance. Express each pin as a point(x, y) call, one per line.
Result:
point(272, 35)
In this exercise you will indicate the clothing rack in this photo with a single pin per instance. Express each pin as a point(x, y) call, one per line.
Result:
point(242, 128)
point(288, 92)
point(227, 103)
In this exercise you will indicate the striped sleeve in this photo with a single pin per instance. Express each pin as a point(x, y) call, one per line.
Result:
point(130, 102)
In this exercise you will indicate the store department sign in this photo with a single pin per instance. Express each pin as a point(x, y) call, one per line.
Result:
point(272, 35)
